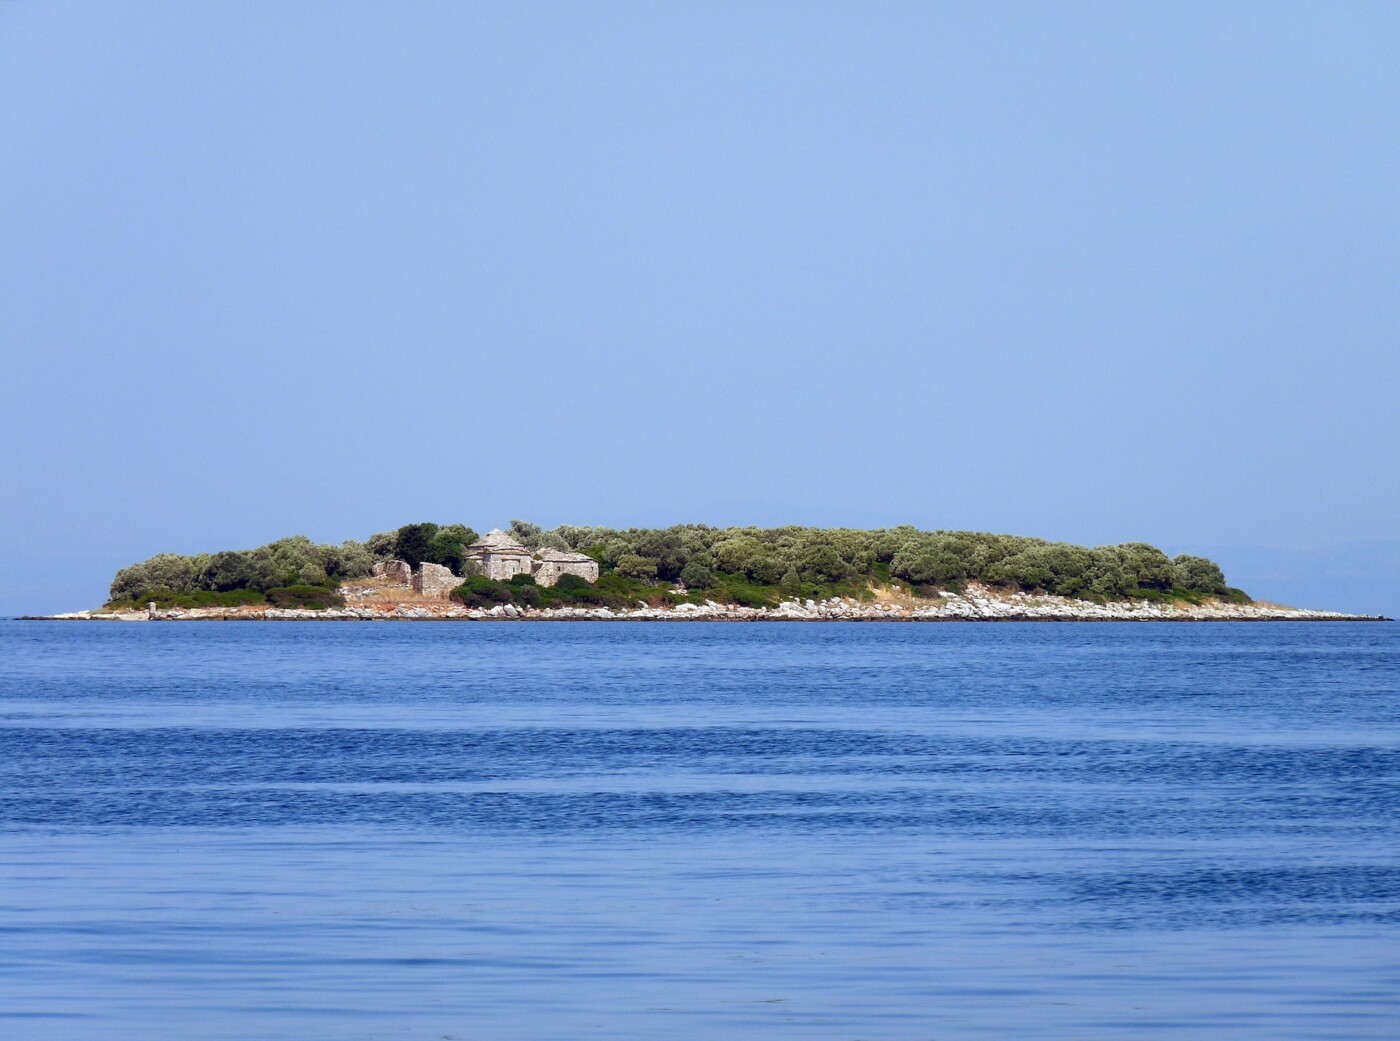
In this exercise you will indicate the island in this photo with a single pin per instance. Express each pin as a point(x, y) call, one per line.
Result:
point(428, 571)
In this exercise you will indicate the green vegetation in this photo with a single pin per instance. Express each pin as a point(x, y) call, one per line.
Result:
point(416, 543)
point(294, 572)
point(750, 566)
point(759, 565)
point(611, 590)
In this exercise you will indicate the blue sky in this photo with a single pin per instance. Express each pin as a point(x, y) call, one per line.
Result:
point(1091, 272)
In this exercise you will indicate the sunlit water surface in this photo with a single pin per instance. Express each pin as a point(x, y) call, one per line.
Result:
point(699, 831)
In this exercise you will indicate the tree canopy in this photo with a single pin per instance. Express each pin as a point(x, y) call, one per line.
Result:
point(741, 564)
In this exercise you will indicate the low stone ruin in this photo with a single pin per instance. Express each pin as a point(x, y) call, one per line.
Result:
point(393, 571)
point(502, 558)
point(434, 580)
point(498, 556)
point(553, 564)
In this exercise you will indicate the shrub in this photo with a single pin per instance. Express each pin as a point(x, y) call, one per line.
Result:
point(1148, 565)
point(738, 590)
point(611, 590)
point(288, 562)
point(231, 598)
point(930, 559)
point(634, 566)
point(1107, 576)
point(526, 594)
point(585, 595)
point(170, 572)
point(523, 531)
point(765, 569)
point(823, 564)
point(696, 575)
point(666, 549)
point(480, 591)
point(226, 571)
point(350, 559)
point(165, 598)
point(547, 540)
point(1054, 567)
point(1198, 574)
point(381, 546)
point(571, 584)
point(735, 554)
point(315, 598)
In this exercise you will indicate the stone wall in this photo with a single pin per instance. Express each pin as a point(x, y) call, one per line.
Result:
point(435, 581)
point(554, 564)
point(393, 571)
point(500, 556)
point(502, 565)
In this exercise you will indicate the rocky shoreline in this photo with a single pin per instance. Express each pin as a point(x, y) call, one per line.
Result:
point(977, 604)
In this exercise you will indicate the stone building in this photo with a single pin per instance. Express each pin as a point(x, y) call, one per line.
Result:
point(553, 564)
point(434, 580)
point(393, 571)
point(500, 557)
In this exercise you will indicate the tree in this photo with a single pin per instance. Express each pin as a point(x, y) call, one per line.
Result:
point(169, 572)
point(350, 559)
point(448, 547)
point(700, 556)
point(696, 575)
point(1198, 575)
point(1149, 566)
point(823, 564)
point(666, 548)
point(458, 533)
point(735, 554)
point(523, 530)
point(412, 542)
point(1107, 575)
point(931, 560)
point(632, 566)
point(765, 569)
point(226, 571)
point(381, 545)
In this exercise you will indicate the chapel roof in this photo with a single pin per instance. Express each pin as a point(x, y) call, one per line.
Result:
point(562, 556)
point(498, 540)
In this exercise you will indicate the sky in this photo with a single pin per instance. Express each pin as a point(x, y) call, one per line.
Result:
point(1098, 272)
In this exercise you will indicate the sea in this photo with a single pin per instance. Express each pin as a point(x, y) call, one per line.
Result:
point(699, 831)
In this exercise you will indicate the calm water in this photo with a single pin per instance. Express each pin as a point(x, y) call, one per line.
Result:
point(554, 831)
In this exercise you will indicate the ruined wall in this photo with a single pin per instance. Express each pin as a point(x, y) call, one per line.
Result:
point(393, 571)
point(434, 580)
point(552, 566)
point(498, 563)
point(502, 566)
